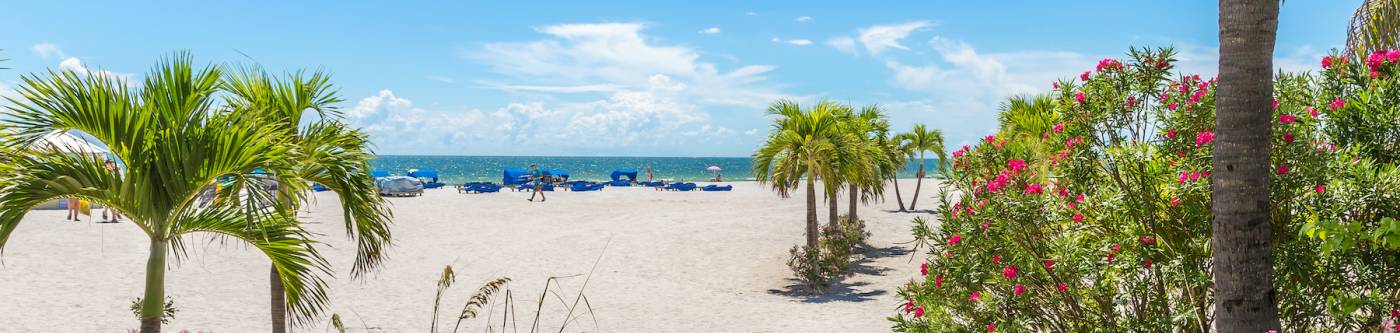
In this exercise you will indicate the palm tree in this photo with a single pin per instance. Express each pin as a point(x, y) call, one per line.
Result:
point(333, 154)
point(803, 144)
point(1241, 248)
point(175, 141)
point(897, 152)
point(922, 140)
point(1374, 26)
point(867, 181)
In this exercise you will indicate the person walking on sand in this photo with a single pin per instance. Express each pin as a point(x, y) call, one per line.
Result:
point(106, 210)
point(72, 210)
point(537, 177)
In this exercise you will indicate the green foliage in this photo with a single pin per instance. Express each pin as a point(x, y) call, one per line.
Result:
point(818, 268)
point(1089, 210)
point(167, 314)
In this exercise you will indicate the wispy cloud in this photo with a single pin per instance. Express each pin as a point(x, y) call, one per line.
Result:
point(442, 79)
point(844, 44)
point(803, 19)
point(878, 38)
point(798, 42)
point(709, 31)
point(48, 50)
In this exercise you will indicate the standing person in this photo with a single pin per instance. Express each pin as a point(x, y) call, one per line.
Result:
point(72, 210)
point(106, 211)
point(537, 177)
point(648, 173)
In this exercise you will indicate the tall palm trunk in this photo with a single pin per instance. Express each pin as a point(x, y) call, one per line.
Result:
point(831, 202)
point(278, 302)
point(851, 213)
point(918, 184)
point(897, 198)
point(811, 213)
point(153, 303)
point(1245, 300)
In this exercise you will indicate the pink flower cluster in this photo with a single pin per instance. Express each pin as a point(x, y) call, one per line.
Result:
point(1108, 64)
point(1192, 176)
point(1204, 138)
point(1380, 58)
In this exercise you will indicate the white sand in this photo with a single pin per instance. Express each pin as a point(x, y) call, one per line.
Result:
point(674, 262)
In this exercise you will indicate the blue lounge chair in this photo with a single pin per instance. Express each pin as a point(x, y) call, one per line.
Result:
point(620, 183)
point(479, 188)
point(714, 188)
point(587, 187)
point(319, 188)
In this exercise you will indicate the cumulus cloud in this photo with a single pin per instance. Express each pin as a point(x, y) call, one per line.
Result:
point(710, 31)
point(77, 66)
point(878, 38)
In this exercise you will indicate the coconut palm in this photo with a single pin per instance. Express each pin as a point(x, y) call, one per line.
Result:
point(867, 128)
point(803, 145)
point(1242, 254)
point(1374, 26)
point(922, 140)
point(175, 141)
point(332, 154)
point(897, 154)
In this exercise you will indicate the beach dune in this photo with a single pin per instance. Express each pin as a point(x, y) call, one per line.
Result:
point(665, 262)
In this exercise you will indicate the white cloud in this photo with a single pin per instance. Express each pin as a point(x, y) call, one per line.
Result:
point(710, 31)
point(798, 42)
point(48, 50)
point(751, 13)
point(880, 37)
point(442, 79)
point(803, 19)
point(77, 66)
point(844, 44)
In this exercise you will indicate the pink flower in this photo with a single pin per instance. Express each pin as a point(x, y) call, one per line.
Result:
point(1064, 191)
point(1062, 287)
point(923, 269)
point(1078, 218)
point(1060, 127)
point(1176, 202)
point(1019, 289)
point(1117, 247)
point(952, 241)
point(1171, 134)
point(1148, 264)
point(991, 327)
point(1204, 137)
point(1275, 104)
point(1016, 165)
point(986, 224)
point(991, 138)
point(1337, 104)
point(1147, 240)
point(1079, 96)
point(1079, 198)
point(1034, 189)
point(1286, 118)
point(996, 260)
point(1162, 97)
point(919, 312)
point(1395, 313)
point(1049, 264)
point(909, 306)
point(1183, 177)
point(1312, 111)
point(1326, 62)
point(1110, 258)
point(1131, 102)
point(975, 296)
point(1282, 169)
point(1054, 85)
point(1084, 76)
point(1171, 106)
point(1009, 272)
point(1320, 188)
point(1288, 137)
point(1195, 176)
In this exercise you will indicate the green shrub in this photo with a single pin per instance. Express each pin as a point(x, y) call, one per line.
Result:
point(1089, 210)
point(819, 268)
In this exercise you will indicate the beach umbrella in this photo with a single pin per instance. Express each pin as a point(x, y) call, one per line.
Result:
point(714, 168)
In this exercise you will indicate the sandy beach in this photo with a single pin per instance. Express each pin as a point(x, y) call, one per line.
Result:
point(670, 262)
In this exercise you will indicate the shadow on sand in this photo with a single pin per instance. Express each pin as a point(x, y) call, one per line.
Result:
point(842, 290)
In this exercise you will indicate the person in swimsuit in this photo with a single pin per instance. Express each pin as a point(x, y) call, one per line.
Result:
point(537, 178)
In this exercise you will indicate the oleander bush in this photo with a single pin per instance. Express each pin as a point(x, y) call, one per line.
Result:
point(838, 245)
point(1089, 209)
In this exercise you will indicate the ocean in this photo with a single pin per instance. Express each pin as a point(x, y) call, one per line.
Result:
point(460, 169)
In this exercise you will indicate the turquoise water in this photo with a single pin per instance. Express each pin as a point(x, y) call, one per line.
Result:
point(459, 169)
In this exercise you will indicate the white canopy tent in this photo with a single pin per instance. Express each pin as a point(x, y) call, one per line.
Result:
point(59, 142)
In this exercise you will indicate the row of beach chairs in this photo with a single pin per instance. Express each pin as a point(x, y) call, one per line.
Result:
point(584, 186)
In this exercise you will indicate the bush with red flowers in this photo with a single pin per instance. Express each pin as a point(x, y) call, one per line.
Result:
point(1089, 210)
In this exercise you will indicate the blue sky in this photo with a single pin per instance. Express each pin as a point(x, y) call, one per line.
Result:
point(642, 78)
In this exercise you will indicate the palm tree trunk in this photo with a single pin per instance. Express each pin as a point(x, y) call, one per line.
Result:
point(897, 198)
point(918, 184)
point(278, 298)
point(153, 303)
point(811, 213)
point(851, 213)
point(1245, 300)
point(831, 202)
